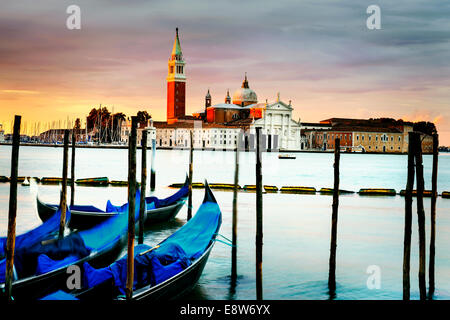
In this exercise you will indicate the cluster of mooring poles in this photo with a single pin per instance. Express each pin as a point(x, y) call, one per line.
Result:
point(415, 167)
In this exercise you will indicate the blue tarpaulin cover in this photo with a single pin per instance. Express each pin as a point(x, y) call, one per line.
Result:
point(42, 232)
point(41, 258)
point(174, 254)
point(59, 295)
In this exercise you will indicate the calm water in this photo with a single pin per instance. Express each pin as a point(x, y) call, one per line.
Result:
point(296, 227)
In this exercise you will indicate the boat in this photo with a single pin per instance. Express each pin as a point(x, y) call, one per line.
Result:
point(166, 271)
point(42, 267)
point(286, 156)
point(87, 216)
point(47, 230)
point(25, 182)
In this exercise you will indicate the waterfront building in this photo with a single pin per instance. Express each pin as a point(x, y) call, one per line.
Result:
point(205, 136)
point(364, 135)
point(57, 135)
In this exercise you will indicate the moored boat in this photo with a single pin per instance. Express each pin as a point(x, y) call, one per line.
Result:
point(42, 267)
point(86, 216)
point(165, 272)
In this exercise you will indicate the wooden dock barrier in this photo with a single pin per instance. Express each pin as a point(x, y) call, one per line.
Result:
point(223, 186)
point(334, 221)
point(300, 190)
point(12, 212)
point(131, 206)
point(98, 181)
point(426, 193)
point(377, 192)
point(331, 191)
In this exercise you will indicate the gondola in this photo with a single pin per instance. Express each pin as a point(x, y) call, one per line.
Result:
point(47, 230)
point(41, 268)
point(165, 272)
point(85, 216)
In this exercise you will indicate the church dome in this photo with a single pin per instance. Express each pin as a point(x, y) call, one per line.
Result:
point(244, 95)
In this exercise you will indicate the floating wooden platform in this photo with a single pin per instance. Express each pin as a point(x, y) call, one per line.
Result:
point(303, 190)
point(426, 193)
point(331, 191)
point(377, 192)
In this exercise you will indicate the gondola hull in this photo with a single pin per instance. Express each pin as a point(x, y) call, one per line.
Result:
point(178, 286)
point(164, 214)
point(34, 287)
point(82, 220)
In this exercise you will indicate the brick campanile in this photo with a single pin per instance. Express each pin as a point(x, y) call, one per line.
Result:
point(176, 84)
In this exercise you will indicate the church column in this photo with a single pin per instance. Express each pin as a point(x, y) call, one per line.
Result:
point(289, 128)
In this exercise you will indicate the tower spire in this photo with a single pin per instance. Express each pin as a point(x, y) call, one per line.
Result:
point(245, 83)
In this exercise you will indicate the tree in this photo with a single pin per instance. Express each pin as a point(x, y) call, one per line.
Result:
point(425, 127)
point(143, 117)
point(77, 125)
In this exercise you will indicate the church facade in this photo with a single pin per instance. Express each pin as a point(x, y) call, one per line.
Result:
point(217, 126)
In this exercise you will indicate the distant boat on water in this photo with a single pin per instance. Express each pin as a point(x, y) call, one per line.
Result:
point(26, 182)
point(286, 156)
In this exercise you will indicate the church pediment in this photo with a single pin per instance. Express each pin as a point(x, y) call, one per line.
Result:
point(279, 105)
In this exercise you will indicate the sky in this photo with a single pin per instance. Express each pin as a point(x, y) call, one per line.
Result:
point(317, 53)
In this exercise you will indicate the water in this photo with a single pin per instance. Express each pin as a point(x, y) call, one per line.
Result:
point(296, 227)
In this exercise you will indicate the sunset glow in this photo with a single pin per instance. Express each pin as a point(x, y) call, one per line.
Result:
point(320, 56)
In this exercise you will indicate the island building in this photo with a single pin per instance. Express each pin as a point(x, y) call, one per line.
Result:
point(217, 126)
point(363, 135)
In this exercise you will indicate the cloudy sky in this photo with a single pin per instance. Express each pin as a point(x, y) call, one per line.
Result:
point(317, 53)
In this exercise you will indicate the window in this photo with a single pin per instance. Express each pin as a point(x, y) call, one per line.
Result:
point(171, 69)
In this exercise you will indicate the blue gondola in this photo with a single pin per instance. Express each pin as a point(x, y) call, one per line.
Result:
point(166, 271)
point(84, 217)
point(42, 267)
point(47, 230)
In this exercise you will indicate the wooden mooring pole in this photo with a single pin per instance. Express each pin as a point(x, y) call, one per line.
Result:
point(152, 167)
point(143, 187)
point(72, 170)
point(431, 286)
point(420, 217)
point(408, 216)
point(63, 201)
point(11, 237)
point(334, 220)
point(259, 217)
point(234, 223)
point(191, 160)
point(131, 207)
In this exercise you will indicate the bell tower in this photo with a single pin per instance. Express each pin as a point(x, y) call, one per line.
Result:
point(176, 83)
